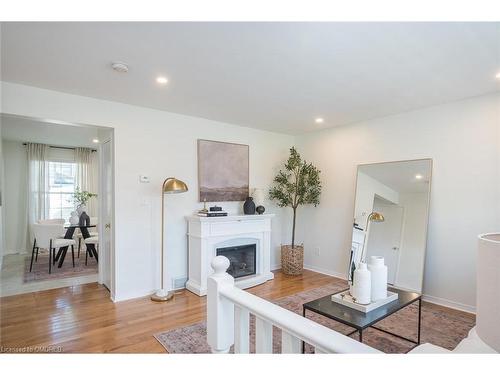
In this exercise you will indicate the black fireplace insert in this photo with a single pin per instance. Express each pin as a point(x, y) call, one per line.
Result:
point(242, 259)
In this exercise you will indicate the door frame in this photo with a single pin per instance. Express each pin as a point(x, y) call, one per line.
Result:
point(113, 194)
point(101, 224)
point(401, 231)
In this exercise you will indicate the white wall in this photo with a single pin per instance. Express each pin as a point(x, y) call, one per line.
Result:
point(463, 140)
point(15, 197)
point(366, 190)
point(158, 144)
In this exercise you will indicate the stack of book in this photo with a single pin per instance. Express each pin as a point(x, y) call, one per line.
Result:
point(212, 212)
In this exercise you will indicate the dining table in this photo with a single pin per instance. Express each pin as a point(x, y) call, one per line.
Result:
point(70, 232)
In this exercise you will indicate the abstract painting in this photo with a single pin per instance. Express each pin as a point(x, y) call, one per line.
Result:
point(222, 171)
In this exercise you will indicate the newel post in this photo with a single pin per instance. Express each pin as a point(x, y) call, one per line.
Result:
point(220, 311)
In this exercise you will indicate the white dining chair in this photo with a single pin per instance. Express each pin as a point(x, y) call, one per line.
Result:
point(47, 237)
point(47, 221)
point(94, 241)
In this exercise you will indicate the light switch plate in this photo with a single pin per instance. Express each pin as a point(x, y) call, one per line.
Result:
point(144, 179)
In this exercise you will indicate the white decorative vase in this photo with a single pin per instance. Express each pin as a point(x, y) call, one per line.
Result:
point(361, 289)
point(379, 278)
point(488, 289)
point(74, 219)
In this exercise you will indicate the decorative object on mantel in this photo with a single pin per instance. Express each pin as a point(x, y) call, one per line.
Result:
point(361, 290)
point(378, 271)
point(249, 206)
point(258, 198)
point(214, 211)
point(223, 171)
point(204, 210)
point(170, 186)
point(296, 185)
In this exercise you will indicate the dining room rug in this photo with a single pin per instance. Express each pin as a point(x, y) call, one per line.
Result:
point(40, 271)
point(440, 326)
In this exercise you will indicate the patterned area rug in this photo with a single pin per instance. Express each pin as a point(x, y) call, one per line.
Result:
point(442, 327)
point(40, 270)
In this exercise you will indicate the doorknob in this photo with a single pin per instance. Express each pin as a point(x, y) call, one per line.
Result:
point(395, 248)
point(107, 226)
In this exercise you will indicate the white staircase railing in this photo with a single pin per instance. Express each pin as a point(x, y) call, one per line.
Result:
point(228, 322)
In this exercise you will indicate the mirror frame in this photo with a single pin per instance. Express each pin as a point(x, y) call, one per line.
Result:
point(428, 211)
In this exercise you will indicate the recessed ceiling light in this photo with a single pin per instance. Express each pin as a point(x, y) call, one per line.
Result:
point(419, 176)
point(162, 80)
point(119, 66)
point(497, 76)
point(319, 120)
point(95, 140)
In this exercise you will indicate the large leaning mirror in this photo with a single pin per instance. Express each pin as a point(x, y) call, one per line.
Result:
point(390, 219)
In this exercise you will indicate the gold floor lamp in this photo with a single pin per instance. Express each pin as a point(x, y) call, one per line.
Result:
point(373, 217)
point(170, 186)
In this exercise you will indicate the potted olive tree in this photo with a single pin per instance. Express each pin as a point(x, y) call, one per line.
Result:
point(297, 184)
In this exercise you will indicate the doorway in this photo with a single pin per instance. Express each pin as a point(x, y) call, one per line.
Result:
point(385, 240)
point(45, 166)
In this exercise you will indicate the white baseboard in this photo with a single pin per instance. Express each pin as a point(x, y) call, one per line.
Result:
point(451, 304)
point(275, 267)
point(324, 271)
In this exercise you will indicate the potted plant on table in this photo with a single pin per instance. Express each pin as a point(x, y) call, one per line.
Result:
point(296, 185)
point(80, 197)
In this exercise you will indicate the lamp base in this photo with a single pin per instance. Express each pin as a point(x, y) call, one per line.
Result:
point(162, 295)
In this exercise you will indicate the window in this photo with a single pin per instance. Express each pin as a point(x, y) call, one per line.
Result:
point(61, 186)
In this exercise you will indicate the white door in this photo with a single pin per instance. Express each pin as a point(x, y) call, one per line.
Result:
point(385, 238)
point(105, 240)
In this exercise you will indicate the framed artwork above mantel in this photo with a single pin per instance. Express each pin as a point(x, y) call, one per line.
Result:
point(223, 171)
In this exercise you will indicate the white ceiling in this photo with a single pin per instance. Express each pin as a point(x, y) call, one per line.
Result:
point(400, 176)
point(22, 129)
point(274, 76)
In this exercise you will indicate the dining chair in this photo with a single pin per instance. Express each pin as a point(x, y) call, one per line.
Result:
point(94, 241)
point(94, 233)
point(47, 237)
point(47, 221)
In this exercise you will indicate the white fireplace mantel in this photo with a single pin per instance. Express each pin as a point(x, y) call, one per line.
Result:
point(206, 234)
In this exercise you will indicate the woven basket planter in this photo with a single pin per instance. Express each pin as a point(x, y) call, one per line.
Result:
point(292, 260)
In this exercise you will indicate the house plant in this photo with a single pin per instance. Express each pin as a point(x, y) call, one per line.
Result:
point(297, 184)
point(81, 198)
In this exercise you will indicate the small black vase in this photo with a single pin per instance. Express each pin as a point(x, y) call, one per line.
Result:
point(249, 206)
point(260, 210)
point(84, 219)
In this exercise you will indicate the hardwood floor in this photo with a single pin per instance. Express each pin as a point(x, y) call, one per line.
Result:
point(82, 319)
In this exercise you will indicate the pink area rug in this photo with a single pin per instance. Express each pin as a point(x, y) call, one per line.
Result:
point(40, 270)
point(443, 327)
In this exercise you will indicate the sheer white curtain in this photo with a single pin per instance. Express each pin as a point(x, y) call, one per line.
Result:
point(87, 174)
point(37, 184)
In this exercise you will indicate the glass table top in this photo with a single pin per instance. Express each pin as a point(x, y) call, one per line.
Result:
point(358, 319)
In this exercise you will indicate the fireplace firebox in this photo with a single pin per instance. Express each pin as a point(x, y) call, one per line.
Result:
point(242, 259)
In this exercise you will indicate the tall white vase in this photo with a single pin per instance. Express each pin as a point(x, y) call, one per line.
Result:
point(379, 278)
point(361, 289)
point(488, 289)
